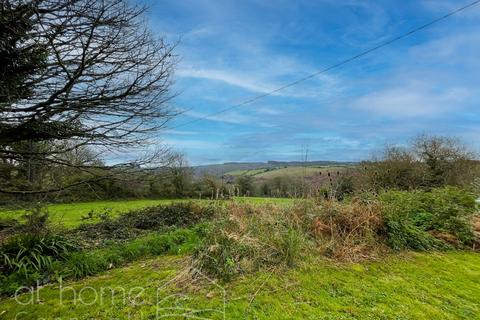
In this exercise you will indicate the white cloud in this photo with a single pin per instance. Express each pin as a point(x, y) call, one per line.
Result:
point(322, 86)
point(269, 111)
point(412, 101)
point(229, 77)
point(444, 6)
point(230, 117)
point(460, 48)
point(191, 144)
point(179, 132)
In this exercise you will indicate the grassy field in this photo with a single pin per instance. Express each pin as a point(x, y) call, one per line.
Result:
point(246, 172)
point(292, 172)
point(70, 214)
point(297, 172)
point(407, 286)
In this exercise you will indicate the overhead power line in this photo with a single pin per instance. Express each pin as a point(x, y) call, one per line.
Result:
point(334, 66)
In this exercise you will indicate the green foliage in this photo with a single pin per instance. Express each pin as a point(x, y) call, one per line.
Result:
point(289, 246)
point(134, 223)
point(220, 254)
point(179, 241)
point(36, 220)
point(28, 258)
point(250, 238)
point(39, 254)
point(176, 214)
point(245, 185)
point(426, 220)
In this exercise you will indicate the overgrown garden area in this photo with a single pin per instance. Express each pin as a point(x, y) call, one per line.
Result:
point(100, 219)
point(322, 253)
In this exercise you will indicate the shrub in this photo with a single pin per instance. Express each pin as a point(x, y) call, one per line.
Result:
point(40, 254)
point(33, 252)
point(36, 220)
point(179, 214)
point(103, 233)
point(82, 264)
point(428, 162)
point(139, 222)
point(427, 220)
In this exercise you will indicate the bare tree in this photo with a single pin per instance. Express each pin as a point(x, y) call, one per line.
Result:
point(104, 84)
point(427, 162)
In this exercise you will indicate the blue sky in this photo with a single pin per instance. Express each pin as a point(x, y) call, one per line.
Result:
point(233, 50)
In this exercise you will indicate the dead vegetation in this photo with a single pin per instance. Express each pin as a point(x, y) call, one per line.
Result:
point(245, 238)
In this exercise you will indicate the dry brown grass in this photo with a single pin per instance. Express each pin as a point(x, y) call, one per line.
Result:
point(347, 231)
point(251, 237)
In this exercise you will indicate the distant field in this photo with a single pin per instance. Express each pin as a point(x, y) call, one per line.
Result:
point(247, 172)
point(292, 172)
point(70, 214)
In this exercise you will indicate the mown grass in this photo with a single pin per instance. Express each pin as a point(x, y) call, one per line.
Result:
point(70, 214)
point(408, 286)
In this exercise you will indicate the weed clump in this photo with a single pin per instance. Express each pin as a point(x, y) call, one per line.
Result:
point(249, 238)
point(347, 231)
point(139, 222)
point(179, 214)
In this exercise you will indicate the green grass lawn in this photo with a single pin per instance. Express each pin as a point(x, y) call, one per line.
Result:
point(402, 286)
point(70, 214)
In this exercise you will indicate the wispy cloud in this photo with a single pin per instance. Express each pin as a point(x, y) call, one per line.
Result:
point(231, 117)
point(412, 100)
point(232, 51)
point(261, 82)
point(228, 77)
point(181, 144)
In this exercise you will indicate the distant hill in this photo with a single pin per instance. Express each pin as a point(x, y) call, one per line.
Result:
point(237, 168)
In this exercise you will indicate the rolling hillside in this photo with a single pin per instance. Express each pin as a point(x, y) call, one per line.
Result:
point(256, 168)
